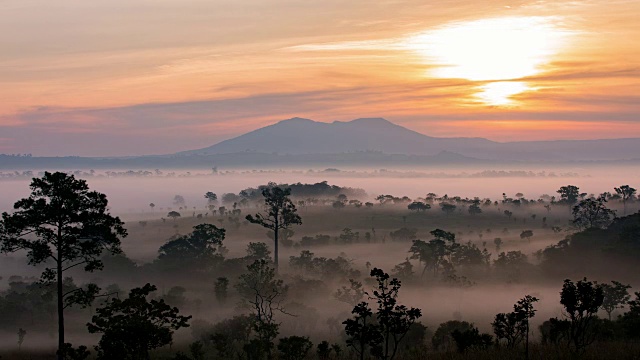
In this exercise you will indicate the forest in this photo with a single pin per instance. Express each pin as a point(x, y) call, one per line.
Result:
point(318, 271)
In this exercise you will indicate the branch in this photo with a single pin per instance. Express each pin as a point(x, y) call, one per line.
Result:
point(71, 291)
point(74, 265)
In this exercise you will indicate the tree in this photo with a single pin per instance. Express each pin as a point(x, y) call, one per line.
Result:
point(418, 206)
point(526, 234)
point(616, 296)
point(432, 254)
point(262, 293)
point(294, 347)
point(338, 205)
point(281, 213)
point(174, 215)
point(592, 213)
point(221, 289)
point(211, 197)
point(514, 326)
point(626, 192)
point(133, 326)
point(178, 200)
point(257, 251)
point(361, 329)
point(21, 334)
point(447, 208)
point(65, 223)
point(393, 321)
point(197, 249)
point(323, 350)
point(351, 295)
point(474, 208)
point(630, 320)
point(569, 194)
point(498, 243)
point(442, 338)
point(152, 205)
point(581, 301)
point(471, 339)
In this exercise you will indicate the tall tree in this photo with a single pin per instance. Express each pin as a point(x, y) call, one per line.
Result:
point(626, 192)
point(63, 222)
point(280, 214)
point(262, 292)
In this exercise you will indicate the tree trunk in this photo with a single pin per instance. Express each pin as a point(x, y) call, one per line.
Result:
point(275, 248)
point(60, 307)
point(526, 344)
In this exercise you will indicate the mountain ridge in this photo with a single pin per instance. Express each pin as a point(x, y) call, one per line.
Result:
point(297, 135)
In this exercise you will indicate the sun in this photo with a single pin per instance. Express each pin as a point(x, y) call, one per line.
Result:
point(496, 49)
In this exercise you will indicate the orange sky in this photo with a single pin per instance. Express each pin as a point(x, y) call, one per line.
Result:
point(125, 77)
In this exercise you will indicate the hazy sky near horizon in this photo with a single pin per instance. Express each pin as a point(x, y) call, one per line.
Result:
point(131, 77)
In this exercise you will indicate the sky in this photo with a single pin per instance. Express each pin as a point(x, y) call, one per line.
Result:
point(133, 77)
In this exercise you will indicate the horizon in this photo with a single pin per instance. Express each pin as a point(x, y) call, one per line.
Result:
point(105, 79)
point(361, 120)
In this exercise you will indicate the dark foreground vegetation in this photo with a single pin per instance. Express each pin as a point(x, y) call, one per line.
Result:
point(193, 300)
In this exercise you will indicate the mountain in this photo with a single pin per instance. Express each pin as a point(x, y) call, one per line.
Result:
point(304, 136)
point(299, 136)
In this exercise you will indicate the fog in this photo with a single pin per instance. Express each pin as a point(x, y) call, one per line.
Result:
point(475, 293)
point(133, 194)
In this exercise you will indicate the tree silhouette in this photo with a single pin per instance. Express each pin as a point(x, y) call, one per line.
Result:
point(514, 326)
point(581, 301)
point(294, 347)
point(211, 197)
point(592, 213)
point(63, 222)
point(447, 208)
point(616, 296)
point(392, 321)
point(198, 249)
point(21, 334)
point(626, 192)
point(133, 326)
point(474, 208)
point(280, 214)
point(526, 234)
point(471, 339)
point(258, 251)
point(569, 194)
point(361, 330)
point(262, 293)
point(418, 206)
point(174, 215)
point(442, 338)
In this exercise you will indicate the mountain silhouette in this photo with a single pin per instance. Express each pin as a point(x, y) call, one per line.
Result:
point(304, 136)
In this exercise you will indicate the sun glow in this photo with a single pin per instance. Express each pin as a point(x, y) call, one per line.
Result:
point(499, 93)
point(495, 49)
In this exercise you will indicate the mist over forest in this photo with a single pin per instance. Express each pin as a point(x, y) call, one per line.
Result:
point(399, 263)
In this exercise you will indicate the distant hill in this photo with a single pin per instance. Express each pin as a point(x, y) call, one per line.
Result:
point(304, 136)
point(298, 136)
point(371, 142)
